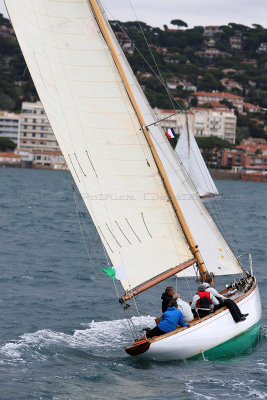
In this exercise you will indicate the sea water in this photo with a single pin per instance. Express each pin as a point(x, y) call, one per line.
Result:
point(62, 331)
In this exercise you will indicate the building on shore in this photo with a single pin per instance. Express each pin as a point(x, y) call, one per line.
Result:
point(9, 126)
point(47, 158)
point(9, 158)
point(37, 143)
point(35, 130)
point(219, 121)
point(248, 158)
point(211, 97)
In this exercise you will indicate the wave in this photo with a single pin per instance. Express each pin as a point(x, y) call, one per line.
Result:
point(98, 339)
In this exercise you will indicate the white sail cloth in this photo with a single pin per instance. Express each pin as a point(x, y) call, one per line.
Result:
point(99, 134)
point(215, 251)
point(194, 164)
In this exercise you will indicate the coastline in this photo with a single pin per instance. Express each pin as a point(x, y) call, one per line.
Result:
point(222, 174)
point(218, 174)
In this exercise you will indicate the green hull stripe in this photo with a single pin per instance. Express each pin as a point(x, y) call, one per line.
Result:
point(232, 347)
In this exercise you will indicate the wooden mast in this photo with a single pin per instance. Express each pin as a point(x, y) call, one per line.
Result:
point(191, 243)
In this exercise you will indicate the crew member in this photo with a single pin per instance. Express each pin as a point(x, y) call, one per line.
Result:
point(232, 306)
point(202, 302)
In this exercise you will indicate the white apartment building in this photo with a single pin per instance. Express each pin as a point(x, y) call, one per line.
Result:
point(37, 142)
point(204, 122)
point(35, 130)
point(9, 126)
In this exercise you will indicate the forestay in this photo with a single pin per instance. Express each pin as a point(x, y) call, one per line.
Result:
point(194, 164)
point(99, 134)
point(215, 251)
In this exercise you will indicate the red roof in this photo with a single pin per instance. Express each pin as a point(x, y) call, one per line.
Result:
point(216, 104)
point(221, 109)
point(252, 106)
point(218, 94)
point(47, 152)
point(251, 148)
point(9, 155)
point(168, 111)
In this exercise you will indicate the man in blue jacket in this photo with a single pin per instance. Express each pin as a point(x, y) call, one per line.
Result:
point(169, 321)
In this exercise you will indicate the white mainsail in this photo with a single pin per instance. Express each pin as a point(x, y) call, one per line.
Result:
point(194, 164)
point(98, 131)
point(215, 251)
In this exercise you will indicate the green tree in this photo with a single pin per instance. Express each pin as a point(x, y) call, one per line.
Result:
point(258, 151)
point(179, 23)
point(7, 144)
point(6, 102)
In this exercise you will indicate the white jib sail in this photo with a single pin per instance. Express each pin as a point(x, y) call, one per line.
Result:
point(215, 251)
point(99, 134)
point(194, 164)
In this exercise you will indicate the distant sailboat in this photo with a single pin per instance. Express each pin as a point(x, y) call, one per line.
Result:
point(194, 164)
point(145, 208)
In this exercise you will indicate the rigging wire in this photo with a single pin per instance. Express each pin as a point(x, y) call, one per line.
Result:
point(158, 76)
point(153, 58)
point(80, 218)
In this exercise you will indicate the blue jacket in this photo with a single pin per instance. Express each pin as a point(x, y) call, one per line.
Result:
point(170, 319)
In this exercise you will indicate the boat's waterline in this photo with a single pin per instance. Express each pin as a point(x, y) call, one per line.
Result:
point(232, 347)
point(215, 337)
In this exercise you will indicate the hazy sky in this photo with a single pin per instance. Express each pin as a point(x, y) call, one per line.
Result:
point(193, 12)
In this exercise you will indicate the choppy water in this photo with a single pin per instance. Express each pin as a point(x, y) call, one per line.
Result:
point(62, 332)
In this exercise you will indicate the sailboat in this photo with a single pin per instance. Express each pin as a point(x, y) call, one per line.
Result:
point(194, 164)
point(146, 209)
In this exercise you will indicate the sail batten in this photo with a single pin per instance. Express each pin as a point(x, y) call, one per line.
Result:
point(105, 149)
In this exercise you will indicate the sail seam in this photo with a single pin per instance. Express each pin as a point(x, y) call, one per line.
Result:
point(145, 224)
point(73, 167)
point(122, 232)
point(91, 163)
point(105, 239)
point(132, 229)
point(79, 164)
point(113, 235)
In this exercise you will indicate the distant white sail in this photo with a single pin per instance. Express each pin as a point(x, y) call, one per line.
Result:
point(99, 134)
point(194, 164)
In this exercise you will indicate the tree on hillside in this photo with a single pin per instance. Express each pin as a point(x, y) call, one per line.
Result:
point(179, 23)
point(6, 102)
point(213, 142)
point(211, 146)
point(7, 144)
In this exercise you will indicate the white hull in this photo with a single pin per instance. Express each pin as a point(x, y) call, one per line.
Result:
point(206, 335)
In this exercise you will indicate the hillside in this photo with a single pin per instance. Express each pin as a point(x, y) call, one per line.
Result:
point(230, 58)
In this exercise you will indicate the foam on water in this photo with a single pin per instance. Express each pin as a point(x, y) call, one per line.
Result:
point(232, 388)
point(98, 338)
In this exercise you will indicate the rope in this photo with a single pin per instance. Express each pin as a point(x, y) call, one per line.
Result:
point(79, 215)
point(158, 76)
